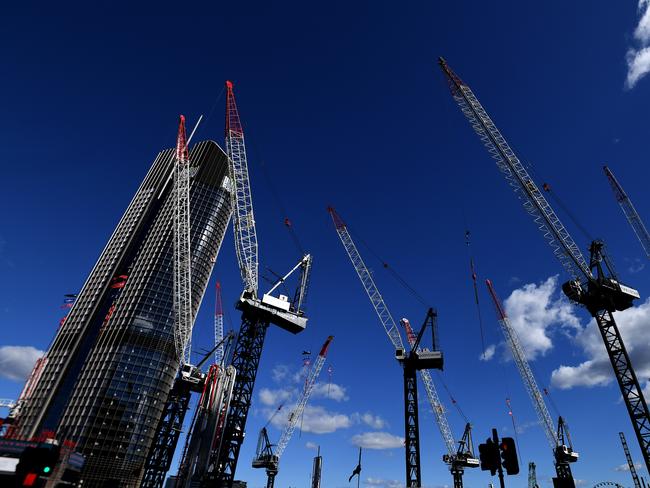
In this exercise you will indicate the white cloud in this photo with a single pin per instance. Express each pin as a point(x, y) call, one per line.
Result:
point(597, 370)
point(16, 362)
point(374, 421)
point(378, 440)
point(488, 353)
point(381, 483)
point(331, 391)
point(311, 445)
point(638, 59)
point(625, 467)
point(534, 309)
point(279, 372)
point(315, 419)
point(272, 398)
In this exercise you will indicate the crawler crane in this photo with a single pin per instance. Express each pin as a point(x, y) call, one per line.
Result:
point(257, 313)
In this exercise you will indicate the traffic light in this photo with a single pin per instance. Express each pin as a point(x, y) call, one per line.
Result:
point(509, 455)
point(35, 464)
point(489, 454)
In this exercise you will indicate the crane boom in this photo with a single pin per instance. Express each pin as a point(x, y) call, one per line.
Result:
point(563, 245)
point(362, 270)
point(527, 377)
point(182, 262)
point(630, 463)
point(629, 211)
point(297, 412)
point(434, 399)
point(601, 294)
point(243, 218)
point(218, 325)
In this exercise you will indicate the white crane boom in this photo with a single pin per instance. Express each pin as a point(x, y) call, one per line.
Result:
point(527, 376)
point(242, 201)
point(630, 212)
point(434, 399)
point(297, 412)
point(564, 247)
point(182, 258)
point(378, 303)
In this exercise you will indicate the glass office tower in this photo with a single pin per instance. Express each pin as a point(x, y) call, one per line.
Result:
point(107, 375)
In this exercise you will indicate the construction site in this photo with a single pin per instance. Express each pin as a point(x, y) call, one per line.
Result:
point(420, 307)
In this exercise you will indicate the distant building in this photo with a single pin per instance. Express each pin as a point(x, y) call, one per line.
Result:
point(106, 377)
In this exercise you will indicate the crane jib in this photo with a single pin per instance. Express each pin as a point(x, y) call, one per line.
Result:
point(538, 205)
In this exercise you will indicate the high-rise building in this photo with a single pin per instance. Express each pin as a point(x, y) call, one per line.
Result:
point(105, 379)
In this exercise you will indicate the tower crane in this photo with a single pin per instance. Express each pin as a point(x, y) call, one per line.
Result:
point(563, 454)
point(417, 360)
point(458, 458)
point(257, 313)
point(629, 211)
point(630, 463)
point(593, 285)
point(532, 476)
point(265, 457)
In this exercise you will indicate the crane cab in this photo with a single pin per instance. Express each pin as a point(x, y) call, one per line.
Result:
point(566, 454)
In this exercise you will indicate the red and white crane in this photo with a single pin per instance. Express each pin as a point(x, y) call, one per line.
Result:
point(265, 456)
point(562, 454)
point(594, 285)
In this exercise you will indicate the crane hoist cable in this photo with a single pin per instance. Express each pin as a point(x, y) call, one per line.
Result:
point(391, 270)
point(475, 285)
point(454, 402)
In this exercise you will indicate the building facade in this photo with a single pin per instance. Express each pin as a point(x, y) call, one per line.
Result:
point(106, 377)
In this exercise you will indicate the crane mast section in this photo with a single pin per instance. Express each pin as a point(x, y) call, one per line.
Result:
point(564, 247)
point(218, 326)
point(629, 211)
point(368, 283)
point(182, 259)
point(434, 399)
point(243, 218)
point(524, 369)
point(297, 412)
point(630, 462)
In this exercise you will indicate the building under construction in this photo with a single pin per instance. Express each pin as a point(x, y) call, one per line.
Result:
point(107, 375)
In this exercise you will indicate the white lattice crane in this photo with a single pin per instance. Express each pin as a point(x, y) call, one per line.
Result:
point(265, 456)
point(218, 324)
point(182, 258)
point(595, 285)
point(257, 313)
point(563, 454)
point(418, 359)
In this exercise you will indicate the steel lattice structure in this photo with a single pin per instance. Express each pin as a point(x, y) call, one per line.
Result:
point(243, 218)
point(629, 211)
point(218, 325)
point(297, 412)
point(564, 248)
point(630, 463)
point(368, 283)
point(434, 399)
point(182, 259)
point(600, 294)
point(532, 476)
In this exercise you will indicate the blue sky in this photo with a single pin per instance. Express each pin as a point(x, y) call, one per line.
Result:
point(343, 104)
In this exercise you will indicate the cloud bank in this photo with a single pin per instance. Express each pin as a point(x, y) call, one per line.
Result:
point(638, 59)
point(16, 362)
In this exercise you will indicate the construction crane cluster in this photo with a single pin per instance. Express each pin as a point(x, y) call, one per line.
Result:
point(217, 431)
point(224, 391)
